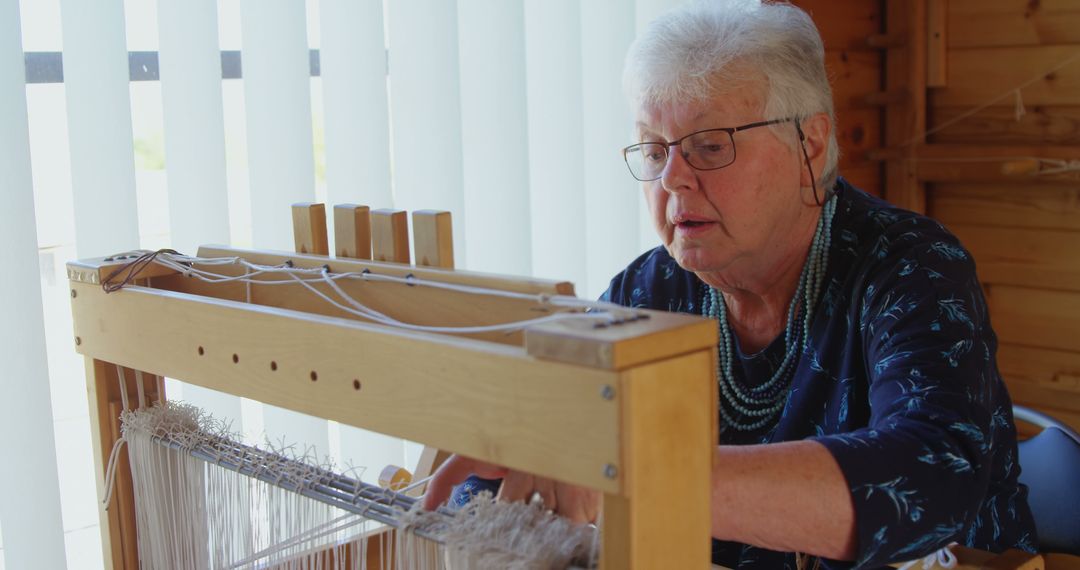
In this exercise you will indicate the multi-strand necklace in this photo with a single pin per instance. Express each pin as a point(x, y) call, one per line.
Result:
point(743, 405)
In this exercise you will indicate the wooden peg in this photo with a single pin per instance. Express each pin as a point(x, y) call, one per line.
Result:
point(309, 228)
point(390, 236)
point(352, 231)
point(433, 239)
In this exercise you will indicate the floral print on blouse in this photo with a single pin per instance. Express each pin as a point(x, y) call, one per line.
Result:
point(898, 381)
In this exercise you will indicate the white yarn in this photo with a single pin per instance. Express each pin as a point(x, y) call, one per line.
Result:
point(196, 513)
point(602, 312)
point(943, 558)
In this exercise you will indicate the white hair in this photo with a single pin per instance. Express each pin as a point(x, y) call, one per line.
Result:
point(707, 48)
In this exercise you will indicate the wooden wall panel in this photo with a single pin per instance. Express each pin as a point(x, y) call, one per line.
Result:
point(1052, 207)
point(979, 75)
point(855, 71)
point(1025, 239)
point(854, 75)
point(1024, 232)
point(1036, 318)
point(1027, 257)
point(859, 131)
point(844, 24)
point(1012, 22)
point(1054, 124)
point(1040, 376)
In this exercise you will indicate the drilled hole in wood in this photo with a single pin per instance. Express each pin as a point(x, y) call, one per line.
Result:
point(235, 359)
point(314, 376)
point(201, 351)
point(356, 384)
point(273, 365)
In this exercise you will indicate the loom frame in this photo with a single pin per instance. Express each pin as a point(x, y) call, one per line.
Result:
point(624, 409)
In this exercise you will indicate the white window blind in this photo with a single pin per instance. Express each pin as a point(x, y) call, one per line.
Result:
point(29, 497)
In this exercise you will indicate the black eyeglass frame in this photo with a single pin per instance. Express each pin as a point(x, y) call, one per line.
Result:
point(678, 142)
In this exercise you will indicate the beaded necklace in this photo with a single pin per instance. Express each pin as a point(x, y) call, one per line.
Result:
point(747, 408)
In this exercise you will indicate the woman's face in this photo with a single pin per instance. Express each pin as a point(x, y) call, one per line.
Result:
point(723, 221)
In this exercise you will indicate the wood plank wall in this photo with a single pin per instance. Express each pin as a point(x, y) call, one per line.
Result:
point(855, 70)
point(1023, 232)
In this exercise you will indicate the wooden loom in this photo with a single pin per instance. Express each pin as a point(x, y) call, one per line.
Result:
point(625, 409)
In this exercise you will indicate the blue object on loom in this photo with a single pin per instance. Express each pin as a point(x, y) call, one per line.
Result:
point(469, 488)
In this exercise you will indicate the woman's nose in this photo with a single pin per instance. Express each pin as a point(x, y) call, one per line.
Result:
point(678, 175)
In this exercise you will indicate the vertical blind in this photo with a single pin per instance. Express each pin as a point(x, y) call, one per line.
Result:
point(508, 113)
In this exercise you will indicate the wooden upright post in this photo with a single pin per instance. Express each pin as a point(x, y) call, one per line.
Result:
point(663, 441)
point(118, 532)
point(905, 120)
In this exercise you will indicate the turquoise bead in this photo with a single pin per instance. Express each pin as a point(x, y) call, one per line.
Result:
point(758, 406)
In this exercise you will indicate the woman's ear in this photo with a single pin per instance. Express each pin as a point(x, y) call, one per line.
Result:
point(814, 134)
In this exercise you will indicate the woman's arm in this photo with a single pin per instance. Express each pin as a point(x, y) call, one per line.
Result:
point(788, 496)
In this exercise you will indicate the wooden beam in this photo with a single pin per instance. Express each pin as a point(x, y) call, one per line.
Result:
point(352, 231)
point(309, 228)
point(905, 70)
point(663, 440)
point(433, 239)
point(103, 388)
point(481, 399)
point(390, 236)
point(937, 43)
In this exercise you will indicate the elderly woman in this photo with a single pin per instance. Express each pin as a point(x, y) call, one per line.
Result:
point(863, 416)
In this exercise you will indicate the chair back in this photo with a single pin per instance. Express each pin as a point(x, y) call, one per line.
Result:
point(1050, 468)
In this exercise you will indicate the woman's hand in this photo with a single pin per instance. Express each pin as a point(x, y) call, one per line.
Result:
point(578, 504)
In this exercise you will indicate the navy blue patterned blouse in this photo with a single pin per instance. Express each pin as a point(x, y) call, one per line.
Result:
point(899, 382)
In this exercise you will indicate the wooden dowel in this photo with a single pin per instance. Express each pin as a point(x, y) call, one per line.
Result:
point(390, 236)
point(352, 231)
point(309, 228)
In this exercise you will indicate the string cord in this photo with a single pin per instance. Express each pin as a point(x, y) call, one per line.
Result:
point(989, 103)
point(187, 265)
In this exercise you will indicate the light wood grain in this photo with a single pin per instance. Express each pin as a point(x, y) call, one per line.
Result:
point(433, 239)
point(480, 399)
point(415, 305)
point(390, 236)
point(309, 228)
point(668, 426)
point(352, 231)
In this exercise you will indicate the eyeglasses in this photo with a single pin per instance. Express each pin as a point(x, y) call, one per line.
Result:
point(710, 149)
